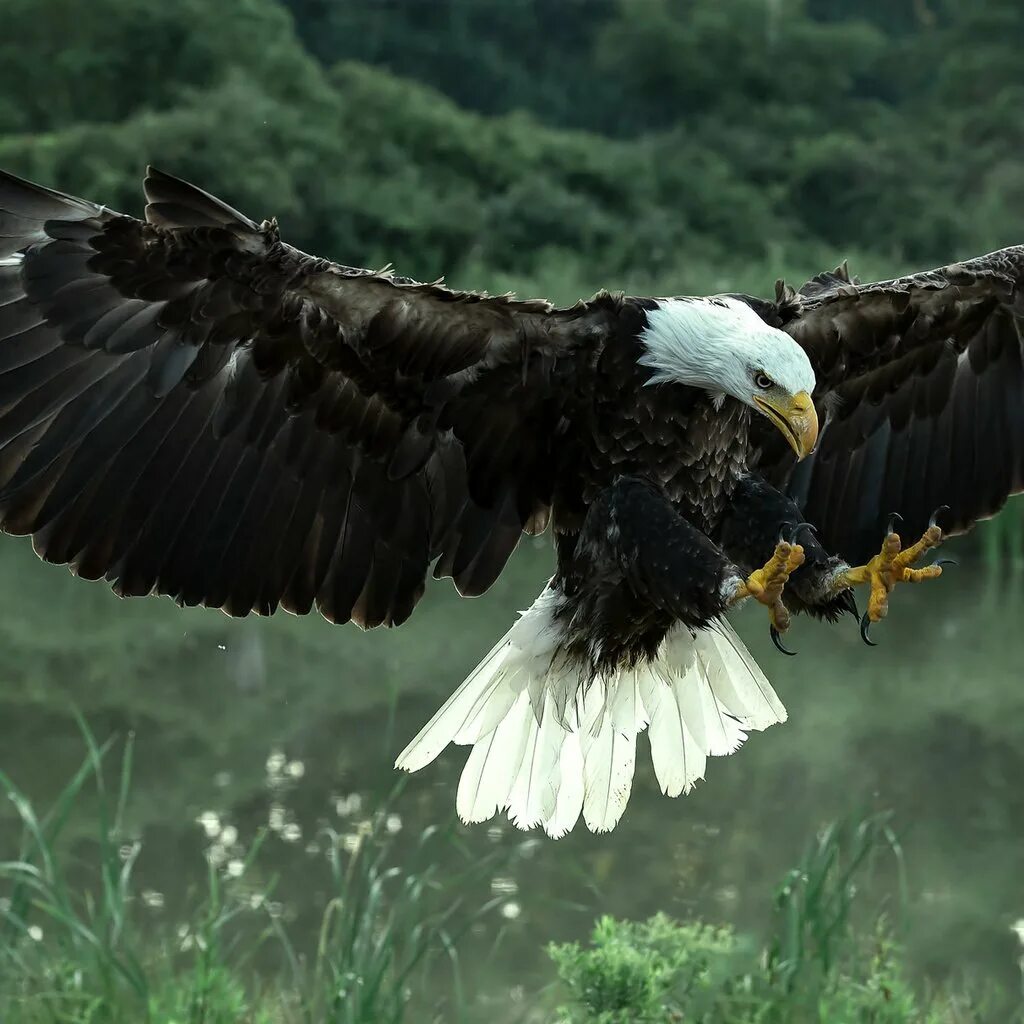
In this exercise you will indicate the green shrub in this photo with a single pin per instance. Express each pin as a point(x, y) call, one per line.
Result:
point(816, 969)
point(646, 971)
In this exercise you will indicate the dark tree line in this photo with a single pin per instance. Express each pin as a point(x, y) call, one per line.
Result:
point(570, 141)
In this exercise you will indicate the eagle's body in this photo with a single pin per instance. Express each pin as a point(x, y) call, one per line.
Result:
point(191, 407)
point(694, 446)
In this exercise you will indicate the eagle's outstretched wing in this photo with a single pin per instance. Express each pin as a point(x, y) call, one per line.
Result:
point(188, 406)
point(922, 379)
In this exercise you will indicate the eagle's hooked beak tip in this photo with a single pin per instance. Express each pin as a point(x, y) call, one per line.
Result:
point(796, 417)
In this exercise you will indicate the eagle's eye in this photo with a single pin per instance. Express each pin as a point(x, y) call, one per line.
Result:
point(763, 381)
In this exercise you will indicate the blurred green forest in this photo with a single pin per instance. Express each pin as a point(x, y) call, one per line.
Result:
point(555, 145)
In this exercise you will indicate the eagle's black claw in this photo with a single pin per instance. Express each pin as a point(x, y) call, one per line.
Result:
point(865, 625)
point(795, 535)
point(935, 515)
point(945, 561)
point(789, 533)
point(777, 640)
point(891, 528)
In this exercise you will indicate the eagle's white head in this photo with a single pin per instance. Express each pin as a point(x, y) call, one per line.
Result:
point(721, 345)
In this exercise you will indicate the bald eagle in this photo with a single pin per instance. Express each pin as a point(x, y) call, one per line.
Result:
point(191, 407)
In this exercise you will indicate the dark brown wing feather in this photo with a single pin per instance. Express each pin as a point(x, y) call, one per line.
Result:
point(923, 380)
point(190, 407)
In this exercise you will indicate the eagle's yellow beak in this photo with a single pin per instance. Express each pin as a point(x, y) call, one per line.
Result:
point(795, 416)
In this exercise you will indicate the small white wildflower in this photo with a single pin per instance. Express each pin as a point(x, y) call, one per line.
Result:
point(229, 836)
point(236, 868)
point(511, 910)
point(296, 769)
point(291, 833)
point(35, 933)
point(345, 806)
point(210, 822)
point(216, 855)
point(393, 823)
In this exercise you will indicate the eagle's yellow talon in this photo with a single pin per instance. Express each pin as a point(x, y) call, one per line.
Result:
point(929, 572)
point(767, 583)
point(890, 566)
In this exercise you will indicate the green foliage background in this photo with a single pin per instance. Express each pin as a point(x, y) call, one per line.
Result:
point(558, 144)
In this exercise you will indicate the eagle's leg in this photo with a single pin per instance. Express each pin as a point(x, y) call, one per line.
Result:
point(758, 516)
point(890, 566)
point(767, 584)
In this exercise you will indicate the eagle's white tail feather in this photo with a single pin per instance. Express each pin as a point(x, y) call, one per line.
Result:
point(737, 680)
point(548, 750)
point(534, 794)
point(609, 758)
point(457, 710)
point(494, 763)
point(571, 788)
point(679, 760)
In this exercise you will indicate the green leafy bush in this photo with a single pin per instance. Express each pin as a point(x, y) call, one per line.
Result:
point(818, 968)
point(646, 971)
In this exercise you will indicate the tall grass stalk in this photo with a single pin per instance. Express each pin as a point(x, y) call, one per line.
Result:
point(77, 948)
point(815, 901)
point(87, 928)
point(383, 926)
